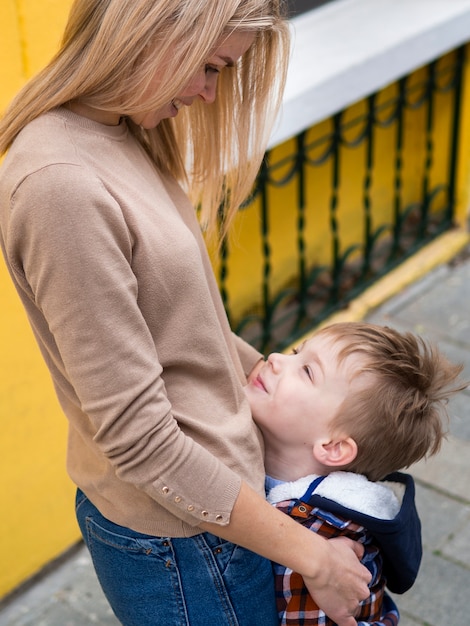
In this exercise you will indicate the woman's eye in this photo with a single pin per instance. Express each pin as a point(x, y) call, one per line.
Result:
point(295, 351)
point(212, 69)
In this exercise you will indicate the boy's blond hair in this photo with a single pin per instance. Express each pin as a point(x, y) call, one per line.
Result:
point(398, 416)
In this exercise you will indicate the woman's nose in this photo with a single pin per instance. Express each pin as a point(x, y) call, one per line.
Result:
point(209, 91)
point(204, 85)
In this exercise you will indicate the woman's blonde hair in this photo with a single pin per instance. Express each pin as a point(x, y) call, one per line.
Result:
point(109, 52)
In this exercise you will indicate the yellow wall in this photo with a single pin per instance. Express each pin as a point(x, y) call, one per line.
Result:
point(462, 211)
point(37, 521)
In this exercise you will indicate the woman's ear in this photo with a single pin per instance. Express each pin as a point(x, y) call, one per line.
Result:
point(335, 453)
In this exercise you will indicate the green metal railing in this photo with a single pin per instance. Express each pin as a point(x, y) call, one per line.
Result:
point(317, 290)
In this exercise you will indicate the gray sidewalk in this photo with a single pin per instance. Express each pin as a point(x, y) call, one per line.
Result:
point(438, 307)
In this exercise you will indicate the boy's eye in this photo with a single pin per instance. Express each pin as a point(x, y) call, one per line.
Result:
point(309, 372)
point(306, 368)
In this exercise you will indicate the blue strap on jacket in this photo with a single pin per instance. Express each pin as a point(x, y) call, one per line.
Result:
point(399, 539)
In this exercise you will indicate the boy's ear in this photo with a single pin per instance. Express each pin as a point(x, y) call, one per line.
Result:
point(336, 452)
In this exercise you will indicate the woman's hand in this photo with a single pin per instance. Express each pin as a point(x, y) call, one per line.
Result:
point(342, 581)
point(330, 568)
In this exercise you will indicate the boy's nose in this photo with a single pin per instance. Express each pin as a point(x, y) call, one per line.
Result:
point(275, 359)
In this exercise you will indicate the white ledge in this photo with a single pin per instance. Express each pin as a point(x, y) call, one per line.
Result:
point(347, 49)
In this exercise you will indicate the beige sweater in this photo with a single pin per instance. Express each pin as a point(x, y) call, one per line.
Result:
point(109, 262)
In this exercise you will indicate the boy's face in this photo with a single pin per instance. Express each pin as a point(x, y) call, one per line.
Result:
point(295, 396)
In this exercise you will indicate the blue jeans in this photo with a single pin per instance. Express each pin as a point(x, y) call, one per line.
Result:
point(195, 581)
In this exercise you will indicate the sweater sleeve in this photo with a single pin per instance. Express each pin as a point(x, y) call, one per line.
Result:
point(248, 355)
point(71, 251)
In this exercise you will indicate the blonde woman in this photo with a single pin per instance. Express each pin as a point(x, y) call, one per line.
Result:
point(148, 101)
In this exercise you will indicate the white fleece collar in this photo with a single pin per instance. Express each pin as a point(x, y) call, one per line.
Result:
point(354, 491)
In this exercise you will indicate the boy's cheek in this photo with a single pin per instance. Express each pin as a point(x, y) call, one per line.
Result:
point(255, 371)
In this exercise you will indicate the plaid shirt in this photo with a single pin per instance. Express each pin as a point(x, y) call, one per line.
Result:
point(294, 603)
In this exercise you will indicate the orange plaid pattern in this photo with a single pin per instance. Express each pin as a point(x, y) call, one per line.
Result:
point(294, 603)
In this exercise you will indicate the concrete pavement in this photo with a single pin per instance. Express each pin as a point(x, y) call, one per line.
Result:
point(436, 306)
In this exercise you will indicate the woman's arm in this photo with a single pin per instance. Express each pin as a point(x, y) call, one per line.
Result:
point(331, 569)
point(250, 358)
point(72, 250)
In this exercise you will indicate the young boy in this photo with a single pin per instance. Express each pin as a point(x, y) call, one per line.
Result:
point(350, 406)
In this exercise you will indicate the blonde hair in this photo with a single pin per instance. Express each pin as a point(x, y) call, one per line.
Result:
point(399, 415)
point(104, 60)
